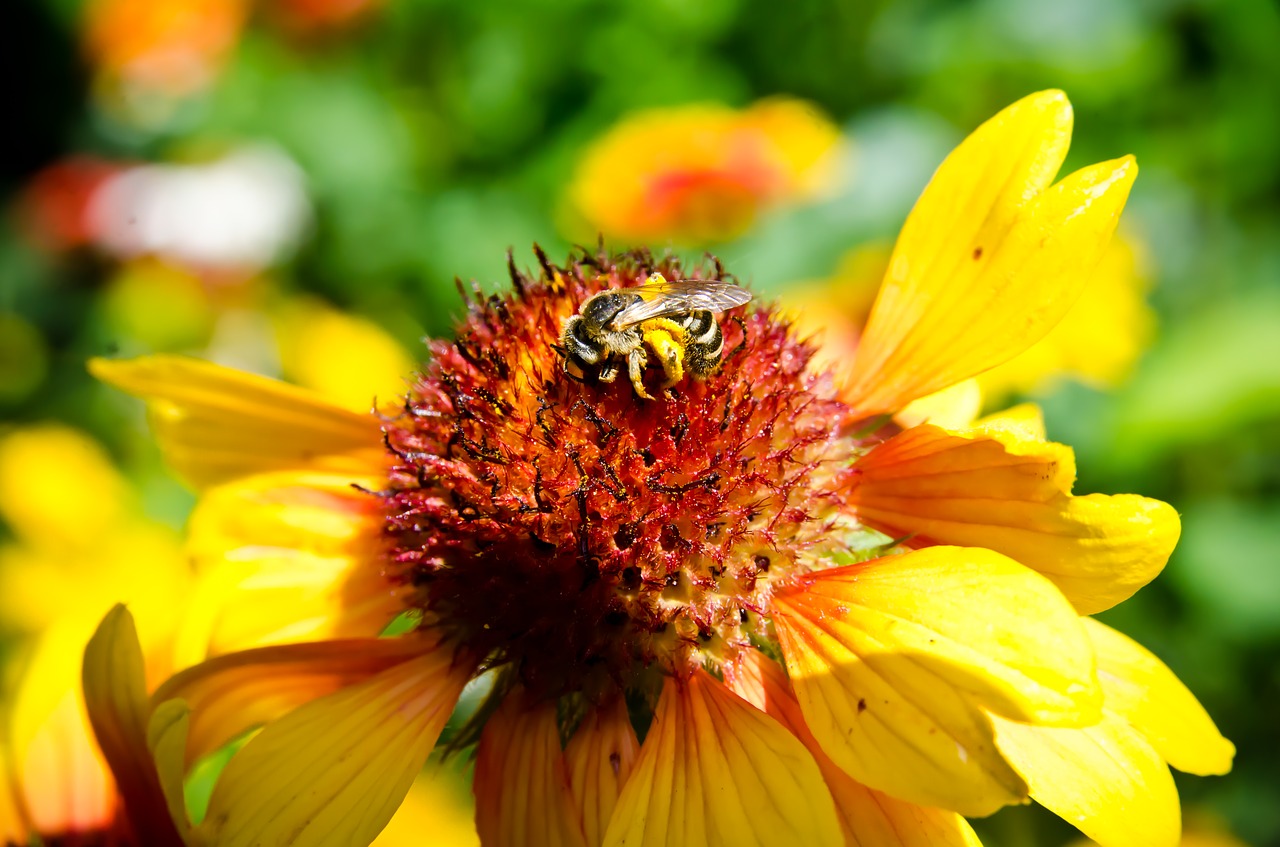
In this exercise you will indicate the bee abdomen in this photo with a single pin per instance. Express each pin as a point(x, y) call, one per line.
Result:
point(704, 342)
point(701, 328)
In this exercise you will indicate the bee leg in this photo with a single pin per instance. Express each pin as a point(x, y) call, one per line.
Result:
point(635, 366)
point(608, 371)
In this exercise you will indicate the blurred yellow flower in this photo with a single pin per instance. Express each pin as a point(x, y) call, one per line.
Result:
point(157, 304)
point(80, 544)
point(1098, 342)
point(348, 359)
point(702, 172)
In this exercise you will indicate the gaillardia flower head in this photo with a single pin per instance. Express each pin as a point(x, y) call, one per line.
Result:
point(827, 627)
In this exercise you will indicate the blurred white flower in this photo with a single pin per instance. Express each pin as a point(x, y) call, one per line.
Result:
point(242, 212)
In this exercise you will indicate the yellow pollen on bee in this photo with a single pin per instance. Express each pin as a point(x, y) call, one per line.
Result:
point(667, 339)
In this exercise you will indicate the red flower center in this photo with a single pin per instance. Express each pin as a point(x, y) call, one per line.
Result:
point(583, 535)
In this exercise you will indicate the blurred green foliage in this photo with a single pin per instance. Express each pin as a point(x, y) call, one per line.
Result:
point(433, 134)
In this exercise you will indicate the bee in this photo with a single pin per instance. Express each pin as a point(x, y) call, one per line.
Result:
point(673, 318)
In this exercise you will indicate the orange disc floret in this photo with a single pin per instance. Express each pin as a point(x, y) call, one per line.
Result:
point(582, 534)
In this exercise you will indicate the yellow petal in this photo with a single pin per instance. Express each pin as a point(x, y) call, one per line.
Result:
point(439, 803)
point(521, 783)
point(167, 741)
point(1104, 779)
point(953, 407)
point(600, 757)
point(116, 698)
point(238, 691)
point(998, 489)
point(1026, 420)
point(216, 423)
point(890, 660)
point(869, 818)
point(716, 772)
point(1141, 689)
point(1100, 338)
point(291, 556)
point(333, 771)
point(990, 258)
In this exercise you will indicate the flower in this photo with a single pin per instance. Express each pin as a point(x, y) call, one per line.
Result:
point(824, 622)
point(81, 543)
point(702, 172)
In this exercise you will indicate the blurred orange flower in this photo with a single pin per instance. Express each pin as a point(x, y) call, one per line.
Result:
point(703, 172)
point(311, 15)
point(172, 46)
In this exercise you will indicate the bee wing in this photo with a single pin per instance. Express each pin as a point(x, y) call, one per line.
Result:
point(674, 297)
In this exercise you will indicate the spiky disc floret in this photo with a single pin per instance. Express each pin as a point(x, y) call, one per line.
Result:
point(582, 535)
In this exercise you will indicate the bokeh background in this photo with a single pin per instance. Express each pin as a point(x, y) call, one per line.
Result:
point(292, 186)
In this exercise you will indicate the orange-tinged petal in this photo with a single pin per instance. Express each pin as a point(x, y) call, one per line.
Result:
point(216, 423)
point(522, 789)
point(716, 772)
point(116, 697)
point(333, 771)
point(291, 556)
point(235, 692)
point(890, 660)
point(869, 818)
point(1141, 689)
point(600, 757)
point(64, 782)
point(13, 826)
point(1104, 779)
point(61, 777)
point(996, 488)
point(990, 258)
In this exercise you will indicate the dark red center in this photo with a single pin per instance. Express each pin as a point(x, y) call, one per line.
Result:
point(584, 536)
